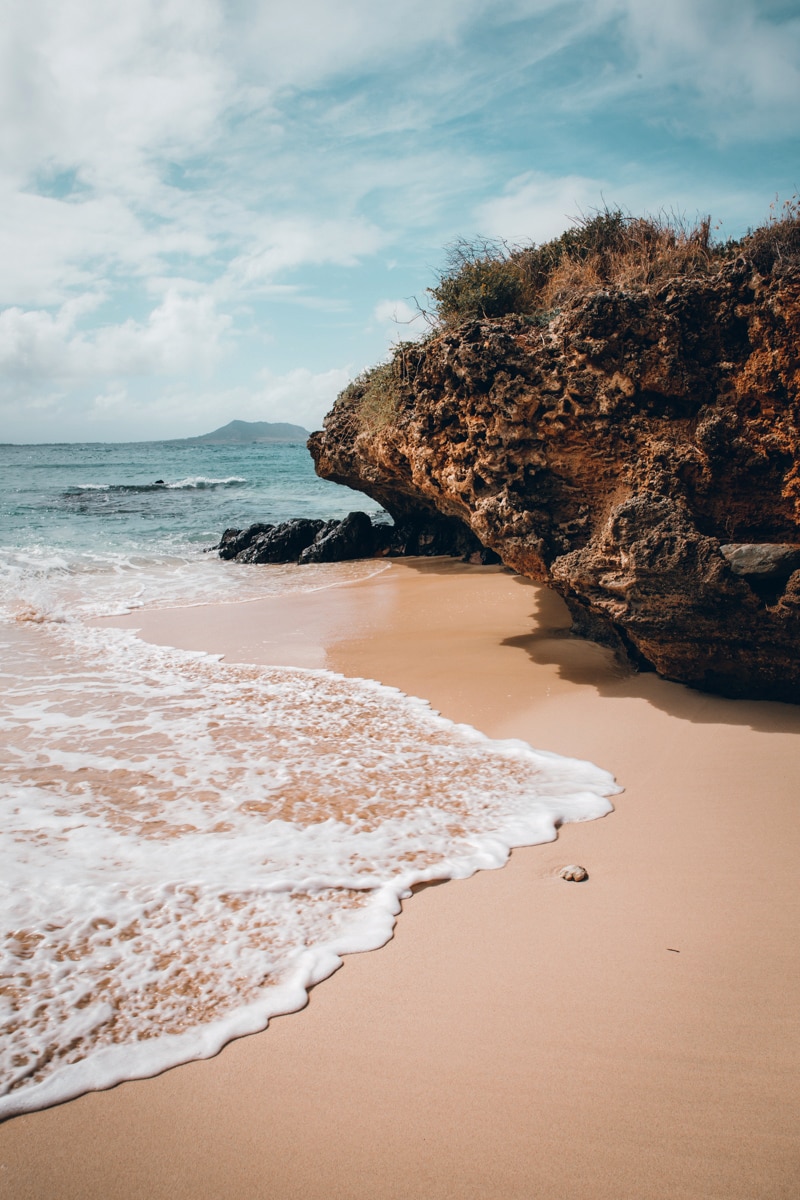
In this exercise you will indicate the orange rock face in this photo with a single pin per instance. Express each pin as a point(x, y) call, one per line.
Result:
point(624, 453)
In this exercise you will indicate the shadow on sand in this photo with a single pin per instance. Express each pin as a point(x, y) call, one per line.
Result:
point(579, 661)
point(550, 643)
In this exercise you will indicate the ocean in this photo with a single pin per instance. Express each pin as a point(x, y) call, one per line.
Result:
point(186, 846)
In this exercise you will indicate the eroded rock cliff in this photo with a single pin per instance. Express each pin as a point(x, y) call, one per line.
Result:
point(638, 453)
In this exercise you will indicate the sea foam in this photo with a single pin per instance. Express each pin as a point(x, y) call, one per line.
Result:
point(187, 846)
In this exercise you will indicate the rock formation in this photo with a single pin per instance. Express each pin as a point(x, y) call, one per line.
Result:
point(355, 536)
point(638, 452)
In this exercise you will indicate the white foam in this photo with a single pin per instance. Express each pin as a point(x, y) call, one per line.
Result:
point(203, 481)
point(37, 583)
point(191, 481)
point(186, 846)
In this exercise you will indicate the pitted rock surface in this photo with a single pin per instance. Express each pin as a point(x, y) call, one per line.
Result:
point(639, 454)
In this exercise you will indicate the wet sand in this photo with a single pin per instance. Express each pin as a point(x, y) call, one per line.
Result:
point(636, 1036)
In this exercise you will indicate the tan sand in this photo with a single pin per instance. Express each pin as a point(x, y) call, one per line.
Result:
point(633, 1037)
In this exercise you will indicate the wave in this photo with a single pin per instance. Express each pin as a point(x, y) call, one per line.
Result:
point(211, 838)
point(40, 584)
point(191, 482)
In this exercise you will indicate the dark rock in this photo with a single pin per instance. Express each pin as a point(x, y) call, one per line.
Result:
point(767, 567)
point(763, 560)
point(234, 541)
point(281, 543)
point(631, 454)
point(338, 541)
point(429, 535)
point(356, 536)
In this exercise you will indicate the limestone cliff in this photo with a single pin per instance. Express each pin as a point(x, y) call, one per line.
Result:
point(638, 452)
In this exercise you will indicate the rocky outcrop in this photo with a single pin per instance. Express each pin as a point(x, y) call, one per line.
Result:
point(355, 536)
point(270, 543)
point(638, 453)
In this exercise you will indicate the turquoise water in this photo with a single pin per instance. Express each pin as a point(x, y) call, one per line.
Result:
point(95, 529)
point(187, 845)
point(89, 497)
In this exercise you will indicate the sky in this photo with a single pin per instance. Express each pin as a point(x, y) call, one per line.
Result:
point(226, 209)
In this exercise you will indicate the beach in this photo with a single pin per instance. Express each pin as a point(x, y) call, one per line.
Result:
point(633, 1036)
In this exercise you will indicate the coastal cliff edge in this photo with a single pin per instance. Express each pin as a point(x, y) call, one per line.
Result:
point(636, 451)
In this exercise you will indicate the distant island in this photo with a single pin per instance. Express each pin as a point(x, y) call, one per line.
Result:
point(238, 433)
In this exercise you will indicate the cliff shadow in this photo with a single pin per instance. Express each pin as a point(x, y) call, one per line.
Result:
point(580, 661)
point(583, 662)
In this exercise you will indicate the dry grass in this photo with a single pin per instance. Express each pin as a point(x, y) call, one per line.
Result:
point(486, 279)
point(646, 251)
point(375, 397)
point(609, 248)
point(777, 243)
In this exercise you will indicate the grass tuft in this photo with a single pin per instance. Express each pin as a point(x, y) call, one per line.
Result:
point(486, 278)
point(375, 397)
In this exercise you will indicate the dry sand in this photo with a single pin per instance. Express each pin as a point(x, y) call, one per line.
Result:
point(632, 1037)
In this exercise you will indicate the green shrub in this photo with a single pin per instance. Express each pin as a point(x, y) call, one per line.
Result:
point(609, 248)
point(480, 280)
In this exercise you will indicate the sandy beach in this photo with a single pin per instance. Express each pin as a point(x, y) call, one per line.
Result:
point(634, 1037)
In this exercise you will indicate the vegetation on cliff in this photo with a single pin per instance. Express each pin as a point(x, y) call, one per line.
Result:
point(606, 250)
point(485, 279)
point(631, 438)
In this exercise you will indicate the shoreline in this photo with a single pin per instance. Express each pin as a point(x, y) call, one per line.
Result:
point(634, 1036)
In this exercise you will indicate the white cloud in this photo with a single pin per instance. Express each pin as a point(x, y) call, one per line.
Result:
point(305, 43)
point(50, 246)
point(112, 402)
point(207, 163)
point(732, 57)
point(300, 395)
point(182, 334)
point(128, 412)
point(537, 207)
point(298, 241)
point(400, 320)
point(84, 87)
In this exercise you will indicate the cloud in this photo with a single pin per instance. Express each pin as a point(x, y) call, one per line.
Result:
point(112, 402)
point(307, 43)
point(400, 320)
point(51, 247)
point(130, 412)
point(737, 62)
point(180, 176)
point(197, 140)
point(537, 207)
point(82, 88)
point(292, 242)
point(182, 334)
point(300, 396)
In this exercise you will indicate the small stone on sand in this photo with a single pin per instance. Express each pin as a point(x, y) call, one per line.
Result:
point(574, 873)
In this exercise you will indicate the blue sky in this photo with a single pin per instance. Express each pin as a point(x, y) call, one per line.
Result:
point(225, 210)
